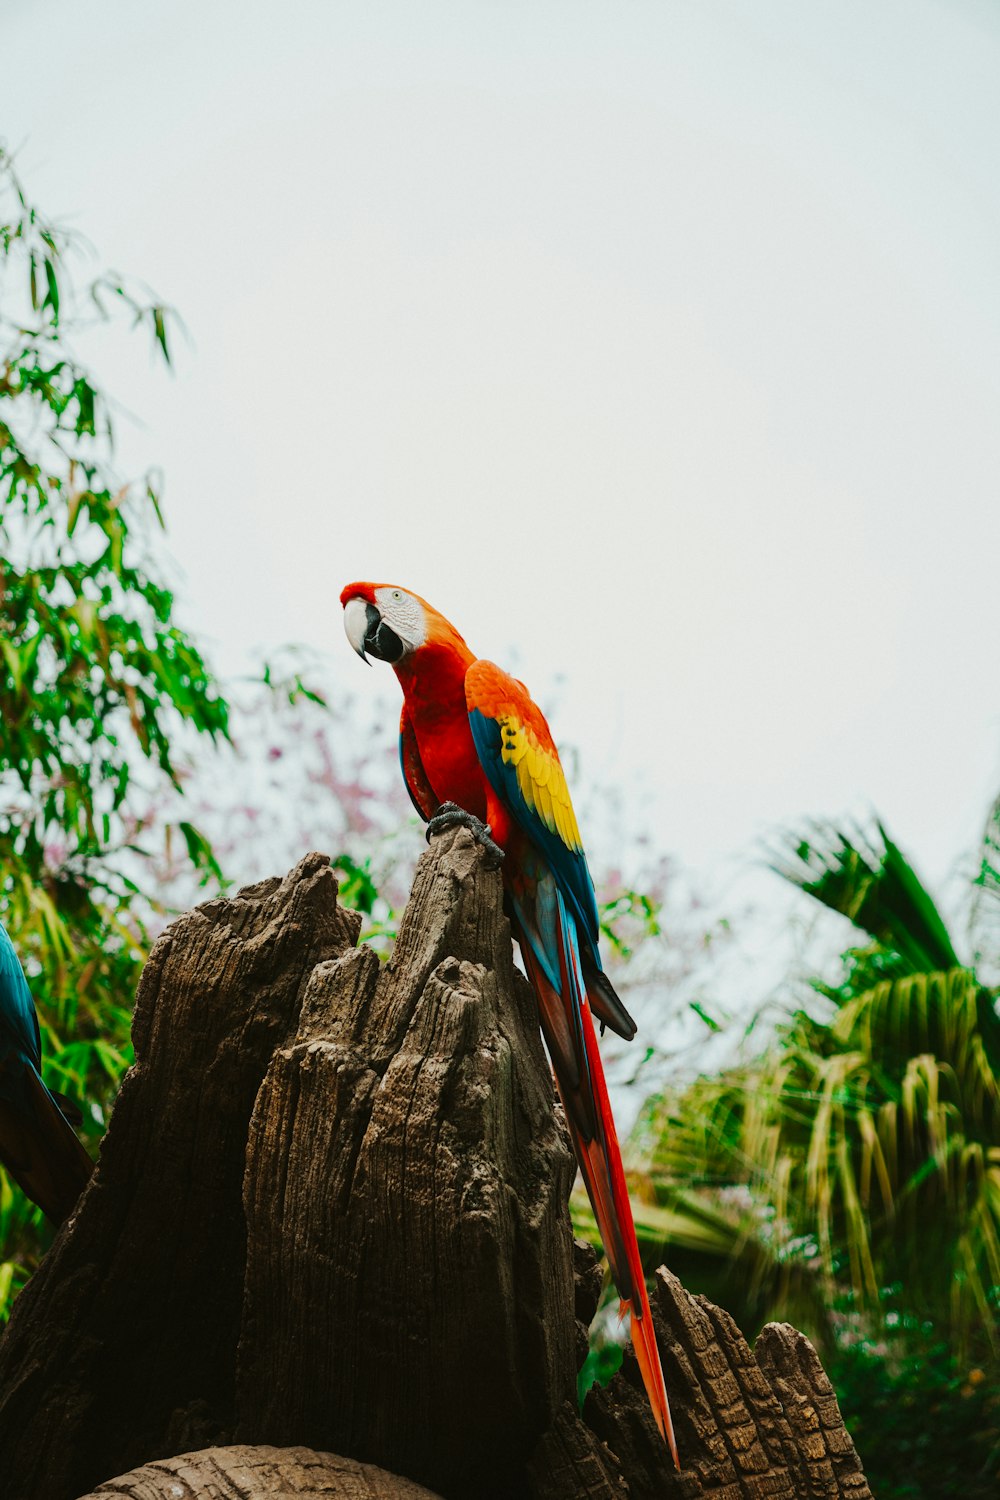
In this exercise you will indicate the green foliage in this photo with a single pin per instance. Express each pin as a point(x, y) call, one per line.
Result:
point(601, 1364)
point(877, 889)
point(860, 1152)
point(358, 890)
point(626, 919)
point(98, 684)
point(900, 1138)
point(606, 1342)
point(927, 1423)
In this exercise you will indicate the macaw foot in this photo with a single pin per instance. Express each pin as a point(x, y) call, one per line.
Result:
point(450, 815)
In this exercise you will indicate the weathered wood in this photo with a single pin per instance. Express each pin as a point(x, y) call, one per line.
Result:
point(259, 1473)
point(761, 1425)
point(331, 1209)
point(122, 1346)
point(571, 1463)
point(821, 1456)
point(410, 1135)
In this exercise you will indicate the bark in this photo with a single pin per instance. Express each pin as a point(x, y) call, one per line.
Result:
point(410, 1130)
point(259, 1473)
point(330, 1218)
point(122, 1347)
point(749, 1424)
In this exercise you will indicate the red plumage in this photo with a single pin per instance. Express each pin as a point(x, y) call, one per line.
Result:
point(470, 734)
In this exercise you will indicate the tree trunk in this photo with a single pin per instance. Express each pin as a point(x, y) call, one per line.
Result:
point(331, 1210)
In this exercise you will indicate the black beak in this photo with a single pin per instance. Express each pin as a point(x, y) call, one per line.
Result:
point(381, 641)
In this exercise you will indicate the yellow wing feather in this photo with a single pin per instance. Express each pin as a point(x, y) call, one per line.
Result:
point(541, 780)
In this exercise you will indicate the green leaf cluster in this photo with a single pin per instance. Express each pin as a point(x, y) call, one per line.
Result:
point(856, 1163)
point(99, 684)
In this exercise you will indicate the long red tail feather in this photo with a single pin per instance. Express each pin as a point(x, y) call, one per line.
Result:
point(601, 1165)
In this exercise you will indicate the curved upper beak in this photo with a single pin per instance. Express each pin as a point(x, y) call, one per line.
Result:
point(361, 619)
point(368, 632)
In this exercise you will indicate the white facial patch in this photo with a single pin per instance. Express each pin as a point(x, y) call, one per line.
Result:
point(403, 614)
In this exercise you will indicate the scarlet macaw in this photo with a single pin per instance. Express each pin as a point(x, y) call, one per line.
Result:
point(475, 749)
point(38, 1145)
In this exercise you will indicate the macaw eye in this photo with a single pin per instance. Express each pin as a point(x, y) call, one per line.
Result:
point(396, 594)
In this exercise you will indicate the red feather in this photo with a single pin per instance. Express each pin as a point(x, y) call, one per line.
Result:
point(521, 792)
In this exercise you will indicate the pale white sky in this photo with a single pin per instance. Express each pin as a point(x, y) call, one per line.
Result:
point(657, 344)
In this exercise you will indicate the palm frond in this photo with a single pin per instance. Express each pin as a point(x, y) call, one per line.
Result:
point(872, 883)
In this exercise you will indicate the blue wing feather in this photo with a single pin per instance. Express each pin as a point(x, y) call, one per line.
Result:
point(568, 865)
point(18, 1021)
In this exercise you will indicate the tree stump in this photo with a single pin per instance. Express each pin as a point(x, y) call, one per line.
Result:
point(329, 1231)
point(259, 1473)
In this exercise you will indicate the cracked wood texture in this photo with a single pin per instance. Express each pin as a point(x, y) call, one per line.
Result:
point(259, 1473)
point(749, 1425)
point(408, 1138)
point(122, 1347)
point(331, 1210)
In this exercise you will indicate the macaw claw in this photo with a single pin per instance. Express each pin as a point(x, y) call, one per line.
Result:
point(450, 815)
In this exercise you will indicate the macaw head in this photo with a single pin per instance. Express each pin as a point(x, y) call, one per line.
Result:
point(384, 621)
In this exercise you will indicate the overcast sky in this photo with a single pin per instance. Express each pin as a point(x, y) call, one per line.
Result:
point(658, 344)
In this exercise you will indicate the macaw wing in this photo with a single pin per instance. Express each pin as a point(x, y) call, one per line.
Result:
point(414, 776)
point(522, 765)
point(37, 1144)
point(18, 1020)
point(556, 911)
